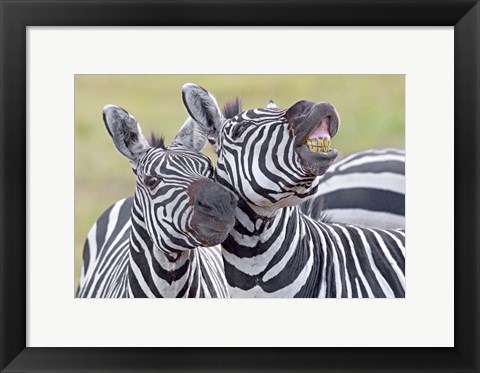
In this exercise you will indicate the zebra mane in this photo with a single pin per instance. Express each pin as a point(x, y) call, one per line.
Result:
point(157, 141)
point(232, 108)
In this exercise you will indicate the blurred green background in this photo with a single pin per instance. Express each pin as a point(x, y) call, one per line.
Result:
point(371, 108)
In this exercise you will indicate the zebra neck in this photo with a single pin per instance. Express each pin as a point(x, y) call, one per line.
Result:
point(155, 273)
point(295, 256)
point(270, 258)
point(254, 223)
point(275, 257)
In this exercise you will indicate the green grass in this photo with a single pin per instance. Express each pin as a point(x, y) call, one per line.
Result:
point(371, 107)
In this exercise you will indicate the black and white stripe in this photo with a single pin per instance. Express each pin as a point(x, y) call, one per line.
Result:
point(292, 255)
point(274, 249)
point(365, 188)
point(151, 244)
point(105, 254)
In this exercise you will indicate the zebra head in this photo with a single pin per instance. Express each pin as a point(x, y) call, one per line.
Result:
point(269, 156)
point(179, 205)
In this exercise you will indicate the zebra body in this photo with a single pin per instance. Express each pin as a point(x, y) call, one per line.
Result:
point(283, 258)
point(271, 159)
point(162, 242)
point(106, 252)
point(365, 189)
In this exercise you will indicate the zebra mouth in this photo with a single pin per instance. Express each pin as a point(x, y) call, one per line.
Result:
point(319, 140)
point(211, 236)
point(316, 153)
point(212, 231)
point(318, 162)
point(313, 138)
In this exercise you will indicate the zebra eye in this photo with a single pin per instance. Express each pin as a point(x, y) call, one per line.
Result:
point(238, 130)
point(151, 181)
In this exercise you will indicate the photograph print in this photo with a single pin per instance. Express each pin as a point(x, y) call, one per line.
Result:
point(239, 186)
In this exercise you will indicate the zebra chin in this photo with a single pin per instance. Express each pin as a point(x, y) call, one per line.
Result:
point(211, 236)
point(316, 163)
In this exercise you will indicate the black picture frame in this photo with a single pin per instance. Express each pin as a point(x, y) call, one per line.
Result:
point(16, 15)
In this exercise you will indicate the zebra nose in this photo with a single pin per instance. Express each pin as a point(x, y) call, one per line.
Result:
point(217, 202)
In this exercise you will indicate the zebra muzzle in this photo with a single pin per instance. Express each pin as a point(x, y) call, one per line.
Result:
point(314, 125)
point(213, 210)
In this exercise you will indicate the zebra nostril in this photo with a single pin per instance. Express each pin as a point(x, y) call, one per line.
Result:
point(216, 202)
point(203, 205)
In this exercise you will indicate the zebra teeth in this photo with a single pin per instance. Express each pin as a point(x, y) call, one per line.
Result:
point(319, 145)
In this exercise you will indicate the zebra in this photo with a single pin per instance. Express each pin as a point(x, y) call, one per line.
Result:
point(366, 188)
point(271, 158)
point(158, 242)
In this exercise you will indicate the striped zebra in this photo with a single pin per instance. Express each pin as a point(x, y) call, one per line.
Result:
point(158, 242)
point(365, 189)
point(271, 158)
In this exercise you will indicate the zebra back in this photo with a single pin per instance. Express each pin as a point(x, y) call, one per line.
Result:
point(365, 189)
point(104, 272)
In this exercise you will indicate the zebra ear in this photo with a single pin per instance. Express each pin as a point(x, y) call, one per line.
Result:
point(190, 137)
point(203, 108)
point(125, 133)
